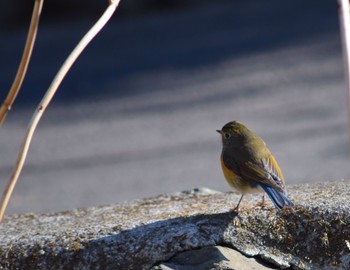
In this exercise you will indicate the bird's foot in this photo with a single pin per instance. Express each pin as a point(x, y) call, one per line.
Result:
point(235, 210)
point(262, 204)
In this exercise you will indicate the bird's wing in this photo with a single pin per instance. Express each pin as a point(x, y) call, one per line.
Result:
point(265, 172)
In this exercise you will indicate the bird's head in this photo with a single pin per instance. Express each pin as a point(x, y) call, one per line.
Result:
point(234, 132)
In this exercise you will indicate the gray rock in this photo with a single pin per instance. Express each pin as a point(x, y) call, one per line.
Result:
point(198, 191)
point(215, 257)
point(144, 233)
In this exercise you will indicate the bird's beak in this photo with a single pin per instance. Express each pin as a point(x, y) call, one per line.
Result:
point(219, 131)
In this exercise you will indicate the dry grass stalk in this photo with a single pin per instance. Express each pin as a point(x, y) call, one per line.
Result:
point(344, 10)
point(22, 69)
point(47, 98)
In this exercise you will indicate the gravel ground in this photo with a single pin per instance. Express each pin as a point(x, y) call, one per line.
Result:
point(137, 115)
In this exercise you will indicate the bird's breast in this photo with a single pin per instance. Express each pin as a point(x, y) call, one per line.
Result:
point(237, 182)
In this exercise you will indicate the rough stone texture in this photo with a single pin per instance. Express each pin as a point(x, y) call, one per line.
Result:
point(216, 257)
point(143, 233)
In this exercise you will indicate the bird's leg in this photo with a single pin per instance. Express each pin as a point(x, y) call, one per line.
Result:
point(263, 203)
point(236, 209)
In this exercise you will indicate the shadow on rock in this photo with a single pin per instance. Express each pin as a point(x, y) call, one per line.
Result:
point(145, 245)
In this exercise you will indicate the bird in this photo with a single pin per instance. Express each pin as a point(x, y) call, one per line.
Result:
point(249, 166)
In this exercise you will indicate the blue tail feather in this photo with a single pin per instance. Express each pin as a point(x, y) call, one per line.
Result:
point(279, 199)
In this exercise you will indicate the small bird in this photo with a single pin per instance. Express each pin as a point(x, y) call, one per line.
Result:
point(249, 166)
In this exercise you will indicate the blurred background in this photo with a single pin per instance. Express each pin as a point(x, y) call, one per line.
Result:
point(137, 114)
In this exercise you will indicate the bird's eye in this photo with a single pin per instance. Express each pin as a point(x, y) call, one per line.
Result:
point(227, 135)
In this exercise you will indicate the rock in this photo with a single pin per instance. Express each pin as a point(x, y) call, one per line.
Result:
point(215, 257)
point(198, 191)
point(315, 234)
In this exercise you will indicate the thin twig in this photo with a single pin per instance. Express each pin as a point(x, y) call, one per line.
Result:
point(47, 98)
point(22, 69)
point(344, 10)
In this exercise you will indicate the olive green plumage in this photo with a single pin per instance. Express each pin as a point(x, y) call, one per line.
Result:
point(248, 164)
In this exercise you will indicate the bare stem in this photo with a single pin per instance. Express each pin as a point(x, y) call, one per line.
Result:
point(22, 69)
point(47, 98)
point(344, 15)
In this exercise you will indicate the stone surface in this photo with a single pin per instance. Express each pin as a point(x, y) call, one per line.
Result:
point(144, 233)
point(216, 257)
